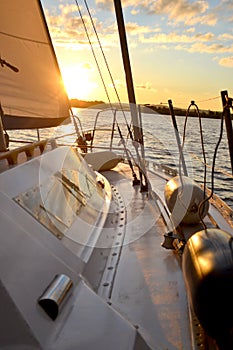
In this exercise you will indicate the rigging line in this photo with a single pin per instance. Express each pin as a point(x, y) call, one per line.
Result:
point(209, 99)
point(204, 157)
point(126, 151)
point(74, 120)
point(101, 76)
point(182, 148)
point(94, 55)
point(99, 70)
point(108, 68)
point(203, 152)
point(205, 168)
point(129, 127)
point(215, 155)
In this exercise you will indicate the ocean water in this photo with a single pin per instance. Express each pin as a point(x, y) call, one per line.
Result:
point(160, 143)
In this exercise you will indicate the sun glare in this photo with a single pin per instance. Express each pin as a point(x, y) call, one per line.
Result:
point(77, 82)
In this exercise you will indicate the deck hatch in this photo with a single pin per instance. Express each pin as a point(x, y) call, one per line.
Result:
point(61, 197)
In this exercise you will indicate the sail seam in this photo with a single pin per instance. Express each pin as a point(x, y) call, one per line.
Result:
point(25, 39)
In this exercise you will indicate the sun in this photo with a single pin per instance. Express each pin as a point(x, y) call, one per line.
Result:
point(77, 82)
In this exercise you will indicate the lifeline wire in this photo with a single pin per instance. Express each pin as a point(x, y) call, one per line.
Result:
point(102, 79)
point(93, 52)
point(130, 134)
point(205, 167)
point(203, 152)
point(86, 31)
point(107, 65)
point(214, 159)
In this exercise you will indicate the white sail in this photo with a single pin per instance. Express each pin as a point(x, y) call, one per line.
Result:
point(33, 97)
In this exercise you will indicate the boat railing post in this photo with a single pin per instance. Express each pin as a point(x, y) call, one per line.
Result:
point(113, 128)
point(38, 134)
point(227, 104)
point(141, 132)
point(177, 137)
point(3, 146)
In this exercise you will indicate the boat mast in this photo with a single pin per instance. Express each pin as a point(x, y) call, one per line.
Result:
point(129, 82)
point(127, 67)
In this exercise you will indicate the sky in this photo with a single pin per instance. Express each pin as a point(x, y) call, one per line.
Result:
point(179, 49)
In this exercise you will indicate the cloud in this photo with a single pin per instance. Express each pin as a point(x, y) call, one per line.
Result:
point(145, 86)
point(135, 29)
point(67, 28)
point(225, 37)
point(226, 62)
point(104, 4)
point(214, 48)
point(177, 11)
point(183, 11)
point(177, 8)
point(178, 38)
point(193, 42)
point(224, 10)
point(190, 30)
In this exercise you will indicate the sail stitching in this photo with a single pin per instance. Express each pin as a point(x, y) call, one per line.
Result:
point(25, 39)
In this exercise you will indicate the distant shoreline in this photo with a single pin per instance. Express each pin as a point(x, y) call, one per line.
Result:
point(84, 104)
point(164, 110)
point(145, 108)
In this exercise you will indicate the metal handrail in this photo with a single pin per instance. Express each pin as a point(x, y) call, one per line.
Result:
point(112, 129)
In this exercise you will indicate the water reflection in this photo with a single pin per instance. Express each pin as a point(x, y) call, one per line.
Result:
point(160, 143)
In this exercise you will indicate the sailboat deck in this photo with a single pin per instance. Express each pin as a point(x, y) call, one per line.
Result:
point(146, 285)
point(127, 289)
